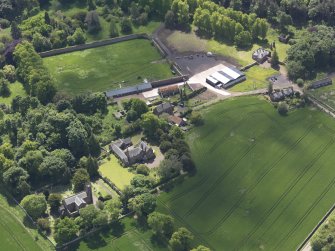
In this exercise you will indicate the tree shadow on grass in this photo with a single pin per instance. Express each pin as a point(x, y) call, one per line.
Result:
point(116, 229)
point(158, 241)
point(28, 223)
point(141, 224)
point(95, 241)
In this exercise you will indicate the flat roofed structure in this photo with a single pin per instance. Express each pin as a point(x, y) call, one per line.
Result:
point(221, 78)
point(234, 73)
point(212, 81)
point(129, 90)
point(226, 77)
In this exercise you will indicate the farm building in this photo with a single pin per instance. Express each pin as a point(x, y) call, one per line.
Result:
point(168, 91)
point(226, 77)
point(281, 94)
point(175, 120)
point(129, 154)
point(320, 83)
point(163, 108)
point(261, 55)
point(129, 90)
point(71, 205)
point(212, 81)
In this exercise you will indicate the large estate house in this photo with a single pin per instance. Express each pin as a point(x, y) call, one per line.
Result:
point(130, 154)
point(71, 205)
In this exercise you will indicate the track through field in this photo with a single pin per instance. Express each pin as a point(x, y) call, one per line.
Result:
point(256, 171)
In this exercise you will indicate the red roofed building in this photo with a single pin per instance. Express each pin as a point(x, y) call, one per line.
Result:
point(177, 121)
point(168, 91)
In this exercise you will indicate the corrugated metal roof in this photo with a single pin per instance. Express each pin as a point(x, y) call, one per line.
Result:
point(234, 73)
point(220, 77)
point(129, 90)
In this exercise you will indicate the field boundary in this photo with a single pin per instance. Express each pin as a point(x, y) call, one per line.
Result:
point(309, 236)
point(92, 45)
point(28, 217)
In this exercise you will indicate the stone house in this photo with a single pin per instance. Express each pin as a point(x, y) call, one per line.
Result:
point(71, 205)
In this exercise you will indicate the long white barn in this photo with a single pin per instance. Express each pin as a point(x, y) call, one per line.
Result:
point(227, 77)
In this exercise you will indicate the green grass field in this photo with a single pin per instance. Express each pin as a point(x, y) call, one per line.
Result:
point(263, 181)
point(126, 237)
point(112, 170)
point(256, 79)
point(16, 89)
point(13, 234)
point(105, 68)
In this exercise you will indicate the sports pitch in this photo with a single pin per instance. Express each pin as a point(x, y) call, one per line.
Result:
point(263, 180)
point(108, 67)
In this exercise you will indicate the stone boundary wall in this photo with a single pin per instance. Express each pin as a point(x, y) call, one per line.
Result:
point(30, 219)
point(162, 49)
point(169, 81)
point(303, 244)
point(92, 45)
point(249, 66)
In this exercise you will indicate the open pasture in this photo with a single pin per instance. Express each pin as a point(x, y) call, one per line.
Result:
point(17, 233)
point(108, 67)
point(125, 236)
point(263, 181)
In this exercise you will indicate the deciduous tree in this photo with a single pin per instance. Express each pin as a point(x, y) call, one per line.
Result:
point(35, 205)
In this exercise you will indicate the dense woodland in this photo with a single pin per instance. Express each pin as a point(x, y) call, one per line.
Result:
point(50, 138)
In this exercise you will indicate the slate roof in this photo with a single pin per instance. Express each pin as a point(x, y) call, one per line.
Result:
point(122, 143)
point(72, 199)
point(320, 83)
point(163, 107)
point(118, 151)
point(129, 90)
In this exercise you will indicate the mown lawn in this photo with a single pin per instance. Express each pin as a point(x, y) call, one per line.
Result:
point(256, 79)
point(13, 234)
point(112, 170)
point(126, 236)
point(108, 67)
point(16, 89)
point(263, 181)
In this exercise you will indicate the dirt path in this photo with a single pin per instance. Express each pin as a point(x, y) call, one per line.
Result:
point(308, 247)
